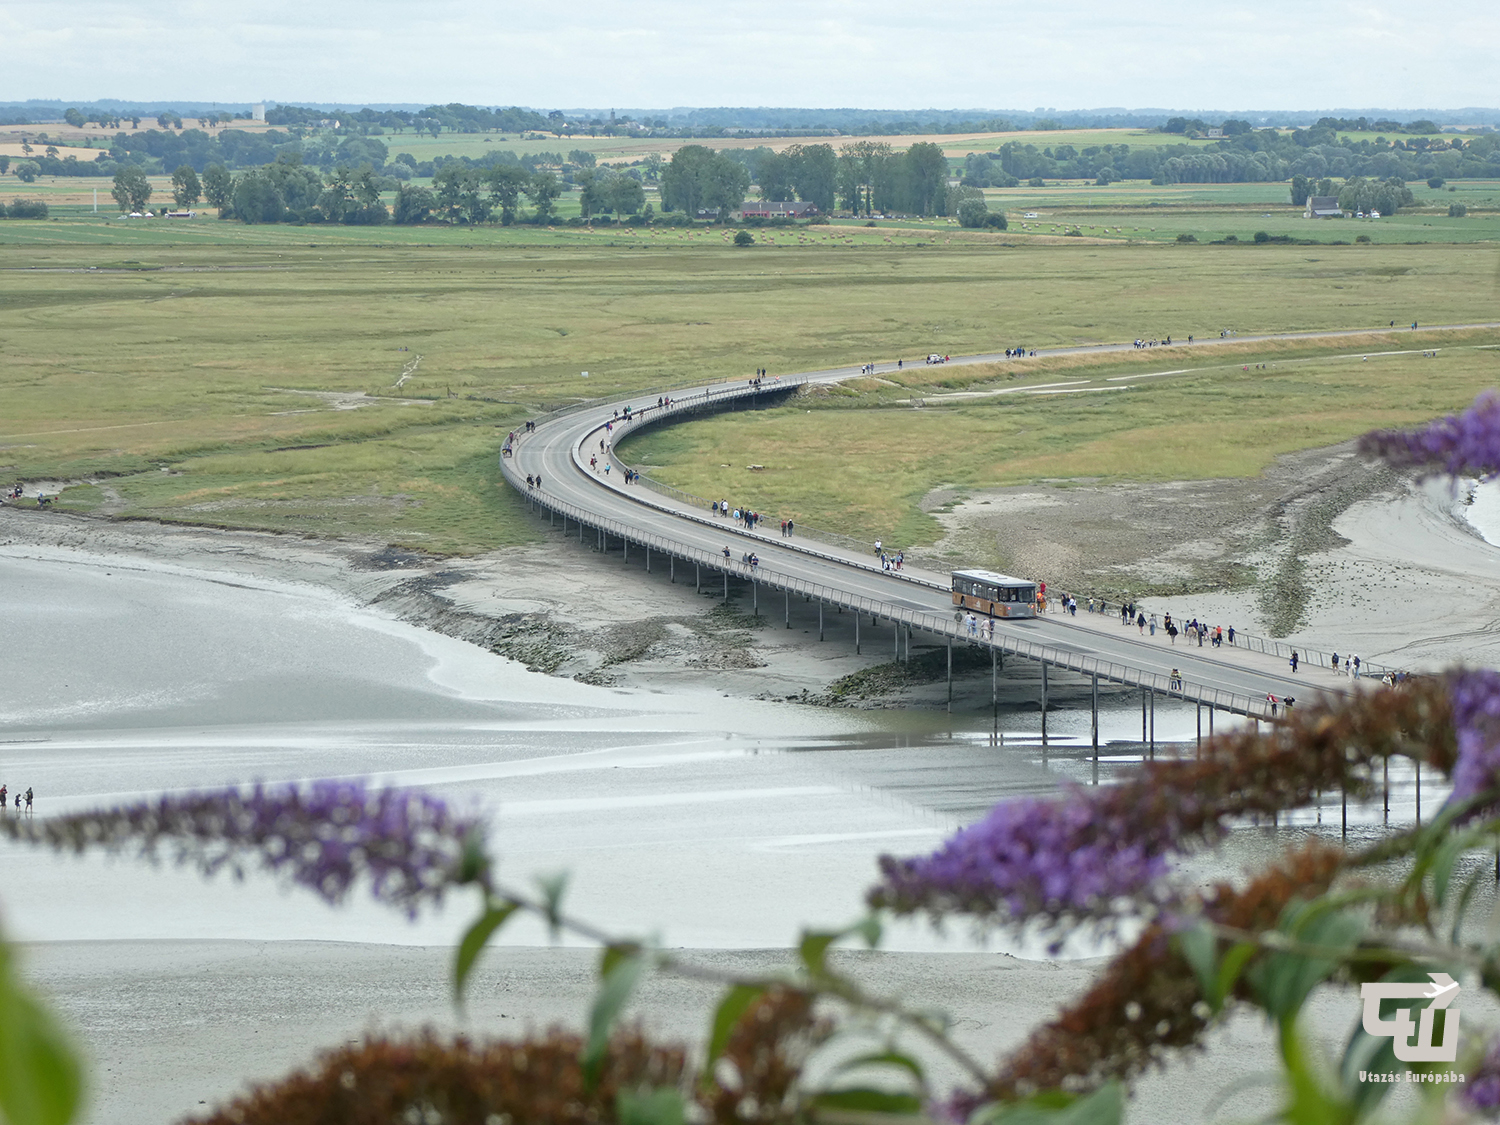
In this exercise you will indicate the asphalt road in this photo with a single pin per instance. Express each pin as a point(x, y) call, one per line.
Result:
point(560, 448)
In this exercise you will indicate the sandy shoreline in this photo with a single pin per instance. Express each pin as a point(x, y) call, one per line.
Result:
point(174, 1026)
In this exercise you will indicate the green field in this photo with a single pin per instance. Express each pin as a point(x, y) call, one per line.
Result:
point(861, 459)
point(171, 361)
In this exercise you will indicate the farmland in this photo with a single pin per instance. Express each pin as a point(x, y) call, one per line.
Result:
point(224, 374)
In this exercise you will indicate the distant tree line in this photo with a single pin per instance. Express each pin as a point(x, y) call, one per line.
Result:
point(1256, 156)
point(454, 118)
point(864, 177)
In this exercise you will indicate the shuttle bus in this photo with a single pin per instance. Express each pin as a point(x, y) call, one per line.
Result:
point(995, 595)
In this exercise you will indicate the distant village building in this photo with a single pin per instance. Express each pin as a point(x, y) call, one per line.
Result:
point(767, 209)
point(1323, 207)
point(1215, 134)
point(258, 111)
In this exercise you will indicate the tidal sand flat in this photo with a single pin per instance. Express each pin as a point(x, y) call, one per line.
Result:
point(142, 660)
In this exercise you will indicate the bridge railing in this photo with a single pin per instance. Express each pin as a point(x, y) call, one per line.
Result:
point(692, 499)
point(1309, 658)
point(691, 404)
point(945, 626)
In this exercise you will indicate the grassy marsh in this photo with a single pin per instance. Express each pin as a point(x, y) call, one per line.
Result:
point(257, 365)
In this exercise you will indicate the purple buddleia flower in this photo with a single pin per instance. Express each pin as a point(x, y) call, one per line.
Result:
point(1466, 444)
point(1476, 723)
point(325, 837)
point(1073, 857)
point(1482, 1091)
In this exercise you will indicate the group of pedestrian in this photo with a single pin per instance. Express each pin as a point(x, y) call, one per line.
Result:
point(983, 628)
point(1349, 668)
point(5, 800)
point(1165, 341)
point(534, 481)
point(742, 516)
point(787, 527)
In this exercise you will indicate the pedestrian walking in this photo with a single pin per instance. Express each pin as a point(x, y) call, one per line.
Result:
point(1140, 624)
point(1356, 659)
point(1293, 661)
point(1152, 624)
point(1335, 664)
point(1231, 636)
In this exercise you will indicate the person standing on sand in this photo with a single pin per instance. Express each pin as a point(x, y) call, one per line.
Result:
point(4, 799)
point(28, 800)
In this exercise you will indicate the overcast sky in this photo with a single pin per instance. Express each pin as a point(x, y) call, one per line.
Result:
point(1186, 54)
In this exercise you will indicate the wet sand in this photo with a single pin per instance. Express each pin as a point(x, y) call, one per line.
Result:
point(173, 1025)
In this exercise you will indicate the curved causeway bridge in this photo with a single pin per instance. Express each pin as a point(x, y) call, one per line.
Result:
point(671, 529)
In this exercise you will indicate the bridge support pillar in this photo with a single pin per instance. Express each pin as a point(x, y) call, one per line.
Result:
point(754, 598)
point(788, 594)
point(551, 518)
point(1044, 707)
point(950, 674)
point(648, 559)
point(1143, 716)
point(1094, 725)
point(1418, 764)
point(1210, 722)
point(1152, 738)
point(896, 640)
point(820, 621)
point(672, 569)
point(1198, 746)
point(995, 694)
point(580, 531)
point(624, 549)
point(726, 587)
point(697, 578)
point(856, 634)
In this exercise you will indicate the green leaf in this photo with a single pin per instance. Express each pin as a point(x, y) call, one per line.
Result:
point(1479, 877)
point(1230, 968)
point(553, 887)
point(1285, 978)
point(735, 1004)
point(41, 1081)
point(1200, 949)
point(614, 993)
point(1310, 1103)
point(612, 955)
point(870, 929)
point(869, 1100)
point(882, 1058)
point(814, 949)
point(474, 940)
point(1105, 1106)
point(659, 1107)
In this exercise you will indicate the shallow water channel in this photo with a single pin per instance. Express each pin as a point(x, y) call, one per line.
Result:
point(710, 821)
